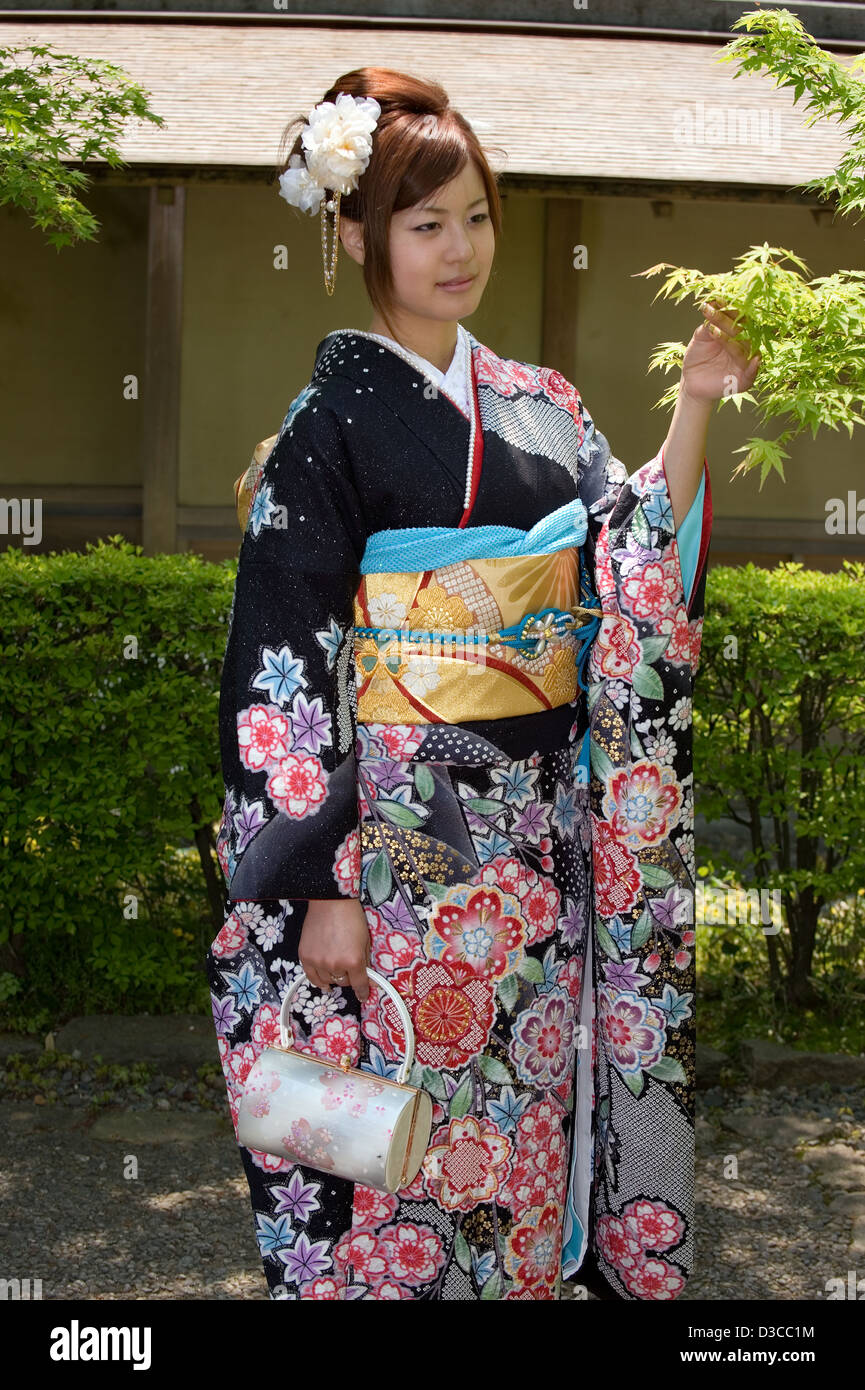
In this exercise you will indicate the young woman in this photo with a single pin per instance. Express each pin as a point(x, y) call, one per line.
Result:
point(456, 735)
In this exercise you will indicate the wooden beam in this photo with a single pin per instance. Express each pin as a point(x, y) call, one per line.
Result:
point(562, 220)
point(160, 391)
point(526, 185)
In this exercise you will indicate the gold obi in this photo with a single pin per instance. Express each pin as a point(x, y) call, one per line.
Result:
point(439, 657)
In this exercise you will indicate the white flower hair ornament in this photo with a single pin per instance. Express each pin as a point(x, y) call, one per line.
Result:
point(337, 146)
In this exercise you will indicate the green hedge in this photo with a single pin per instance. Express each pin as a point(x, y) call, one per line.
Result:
point(109, 765)
point(779, 739)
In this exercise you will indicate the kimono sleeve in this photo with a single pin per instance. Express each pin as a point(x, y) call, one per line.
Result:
point(638, 511)
point(690, 536)
point(288, 701)
point(641, 674)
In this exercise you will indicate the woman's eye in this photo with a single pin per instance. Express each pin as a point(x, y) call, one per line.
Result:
point(425, 225)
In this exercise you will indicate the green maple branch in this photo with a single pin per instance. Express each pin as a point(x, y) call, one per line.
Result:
point(810, 334)
point(778, 44)
point(57, 108)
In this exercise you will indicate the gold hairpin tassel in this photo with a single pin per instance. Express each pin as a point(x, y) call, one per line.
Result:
point(330, 205)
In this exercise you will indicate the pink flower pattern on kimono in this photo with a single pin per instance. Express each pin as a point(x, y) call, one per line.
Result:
point(525, 1292)
point(509, 874)
point(696, 627)
point(272, 1163)
point(465, 1162)
point(263, 736)
point(541, 1156)
point(399, 741)
point(534, 1247)
point(678, 648)
point(346, 865)
point(451, 1010)
point(360, 1250)
point(633, 1029)
point(642, 803)
point(241, 1060)
point(570, 977)
point(415, 1189)
point(231, 936)
point(651, 588)
point(628, 1239)
point(539, 898)
point(481, 929)
point(657, 1226)
point(414, 1253)
point(334, 1038)
point(265, 1026)
point(392, 950)
point(373, 1208)
point(615, 651)
point(408, 1252)
point(556, 387)
point(544, 1038)
point(322, 1288)
point(507, 379)
point(617, 872)
point(298, 786)
point(389, 1290)
point(540, 901)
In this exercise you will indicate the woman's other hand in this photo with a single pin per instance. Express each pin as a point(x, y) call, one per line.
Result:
point(334, 941)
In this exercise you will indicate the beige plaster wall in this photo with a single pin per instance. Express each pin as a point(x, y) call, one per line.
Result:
point(71, 329)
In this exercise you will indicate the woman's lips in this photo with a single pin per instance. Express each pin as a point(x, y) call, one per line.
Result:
point(457, 284)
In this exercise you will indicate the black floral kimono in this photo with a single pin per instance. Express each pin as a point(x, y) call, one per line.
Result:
point(516, 819)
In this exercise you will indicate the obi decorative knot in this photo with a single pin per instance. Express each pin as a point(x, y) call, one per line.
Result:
point(473, 636)
point(532, 634)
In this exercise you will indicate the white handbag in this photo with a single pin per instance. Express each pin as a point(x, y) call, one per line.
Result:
point(336, 1118)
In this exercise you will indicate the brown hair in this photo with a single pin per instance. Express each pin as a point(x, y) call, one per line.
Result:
point(411, 158)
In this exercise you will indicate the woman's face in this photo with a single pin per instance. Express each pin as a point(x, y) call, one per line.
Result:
point(448, 236)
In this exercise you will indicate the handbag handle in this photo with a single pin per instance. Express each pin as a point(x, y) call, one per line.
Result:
point(286, 1033)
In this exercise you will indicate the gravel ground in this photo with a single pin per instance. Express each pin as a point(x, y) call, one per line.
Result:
point(783, 1226)
point(78, 1217)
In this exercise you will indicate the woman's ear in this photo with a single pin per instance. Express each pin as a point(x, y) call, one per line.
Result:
point(351, 236)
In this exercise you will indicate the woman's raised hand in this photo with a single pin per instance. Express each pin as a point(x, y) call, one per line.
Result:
point(718, 360)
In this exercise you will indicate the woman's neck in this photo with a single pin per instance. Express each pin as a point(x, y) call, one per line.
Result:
point(436, 342)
